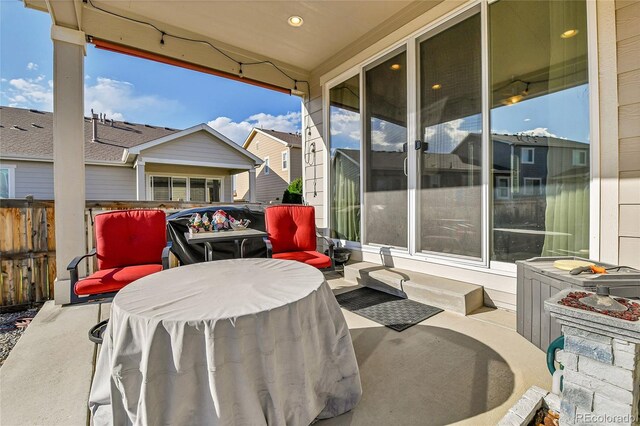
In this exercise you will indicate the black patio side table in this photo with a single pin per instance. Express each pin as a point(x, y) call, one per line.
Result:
point(237, 236)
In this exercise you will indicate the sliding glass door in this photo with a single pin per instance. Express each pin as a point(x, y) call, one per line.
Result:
point(449, 183)
point(385, 152)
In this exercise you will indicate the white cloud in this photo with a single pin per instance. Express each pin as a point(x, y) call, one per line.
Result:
point(539, 131)
point(31, 66)
point(345, 122)
point(117, 99)
point(238, 131)
point(30, 93)
point(445, 137)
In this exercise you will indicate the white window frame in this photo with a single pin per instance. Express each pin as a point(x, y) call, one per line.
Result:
point(11, 168)
point(149, 178)
point(498, 187)
point(524, 155)
point(285, 160)
point(576, 160)
point(266, 169)
point(528, 187)
point(335, 77)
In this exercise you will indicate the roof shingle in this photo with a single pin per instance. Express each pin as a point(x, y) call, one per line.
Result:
point(28, 133)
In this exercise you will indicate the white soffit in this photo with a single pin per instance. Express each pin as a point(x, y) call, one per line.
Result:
point(261, 26)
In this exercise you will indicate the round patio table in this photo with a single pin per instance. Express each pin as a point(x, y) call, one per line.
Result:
point(231, 342)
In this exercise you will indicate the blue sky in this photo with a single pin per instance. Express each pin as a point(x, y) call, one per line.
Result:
point(133, 89)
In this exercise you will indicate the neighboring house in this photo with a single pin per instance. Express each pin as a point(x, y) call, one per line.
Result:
point(281, 154)
point(124, 161)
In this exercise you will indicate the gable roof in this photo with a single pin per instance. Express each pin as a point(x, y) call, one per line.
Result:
point(197, 128)
point(288, 139)
point(28, 134)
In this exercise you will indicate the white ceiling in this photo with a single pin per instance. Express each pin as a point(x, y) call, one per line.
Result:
point(261, 26)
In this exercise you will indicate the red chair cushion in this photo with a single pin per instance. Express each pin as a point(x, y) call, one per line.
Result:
point(131, 237)
point(312, 258)
point(291, 228)
point(109, 280)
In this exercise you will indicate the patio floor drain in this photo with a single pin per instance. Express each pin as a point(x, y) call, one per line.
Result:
point(386, 309)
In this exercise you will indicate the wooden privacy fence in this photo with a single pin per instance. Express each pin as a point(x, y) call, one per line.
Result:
point(28, 243)
point(27, 251)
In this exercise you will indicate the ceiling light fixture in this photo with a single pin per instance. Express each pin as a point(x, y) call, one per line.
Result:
point(569, 33)
point(436, 86)
point(513, 99)
point(295, 21)
point(395, 67)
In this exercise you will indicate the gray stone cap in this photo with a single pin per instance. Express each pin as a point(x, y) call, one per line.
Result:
point(592, 321)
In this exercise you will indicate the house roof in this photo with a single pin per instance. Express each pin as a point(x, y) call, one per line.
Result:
point(28, 134)
point(289, 139)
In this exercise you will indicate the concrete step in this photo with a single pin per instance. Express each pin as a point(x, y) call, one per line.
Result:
point(444, 293)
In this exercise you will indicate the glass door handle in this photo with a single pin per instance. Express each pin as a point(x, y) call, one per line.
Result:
point(404, 166)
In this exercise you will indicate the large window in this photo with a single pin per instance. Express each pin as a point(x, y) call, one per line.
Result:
point(344, 119)
point(472, 147)
point(450, 155)
point(540, 129)
point(195, 189)
point(385, 152)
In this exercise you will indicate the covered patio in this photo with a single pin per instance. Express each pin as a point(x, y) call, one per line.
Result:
point(449, 369)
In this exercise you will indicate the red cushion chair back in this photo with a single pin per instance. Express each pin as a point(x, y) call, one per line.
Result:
point(291, 228)
point(130, 237)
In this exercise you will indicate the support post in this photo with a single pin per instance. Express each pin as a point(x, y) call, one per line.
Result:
point(68, 152)
point(252, 185)
point(141, 187)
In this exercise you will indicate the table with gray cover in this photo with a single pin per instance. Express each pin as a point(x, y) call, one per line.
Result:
point(243, 341)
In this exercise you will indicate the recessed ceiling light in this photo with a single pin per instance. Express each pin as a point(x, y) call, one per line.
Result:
point(436, 86)
point(395, 67)
point(295, 21)
point(569, 33)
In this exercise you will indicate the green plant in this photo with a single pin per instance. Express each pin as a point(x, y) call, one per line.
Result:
point(295, 187)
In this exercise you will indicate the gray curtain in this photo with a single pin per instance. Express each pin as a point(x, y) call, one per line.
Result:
point(346, 199)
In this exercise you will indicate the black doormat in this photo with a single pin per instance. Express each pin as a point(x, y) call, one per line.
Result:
point(386, 309)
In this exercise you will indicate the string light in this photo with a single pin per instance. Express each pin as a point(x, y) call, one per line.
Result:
point(212, 46)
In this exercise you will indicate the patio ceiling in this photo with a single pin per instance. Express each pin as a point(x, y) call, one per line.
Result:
point(248, 31)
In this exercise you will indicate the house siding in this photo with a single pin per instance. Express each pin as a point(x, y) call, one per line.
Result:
point(102, 182)
point(313, 180)
point(197, 147)
point(110, 183)
point(628, 55)
point(269, 188)
point(295, 161)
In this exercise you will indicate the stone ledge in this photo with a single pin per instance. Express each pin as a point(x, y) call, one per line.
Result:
point(523, 411)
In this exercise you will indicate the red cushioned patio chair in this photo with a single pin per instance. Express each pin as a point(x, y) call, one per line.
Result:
point(130, 244)
point(293, 236)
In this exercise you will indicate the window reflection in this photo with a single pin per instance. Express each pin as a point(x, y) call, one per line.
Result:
point(344, 121)
point(540, 129)
point(451, 163)
point(385, 201)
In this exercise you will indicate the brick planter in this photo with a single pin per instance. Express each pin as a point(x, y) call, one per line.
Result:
point(601, 378)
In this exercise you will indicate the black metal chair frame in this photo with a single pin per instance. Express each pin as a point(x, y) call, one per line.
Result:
point(73, 273)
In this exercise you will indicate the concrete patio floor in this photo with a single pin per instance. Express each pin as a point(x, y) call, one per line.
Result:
point(449, 369)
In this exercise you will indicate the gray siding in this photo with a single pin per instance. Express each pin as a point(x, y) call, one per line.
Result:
point(198, 147)
point(33, 178)
point(296, 163)
point(628, 39)
point(110, 183)
point(102, 182)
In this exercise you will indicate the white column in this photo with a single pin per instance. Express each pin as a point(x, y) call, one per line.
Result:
point(141, 184)
point(68, 151)
point(252, 185)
